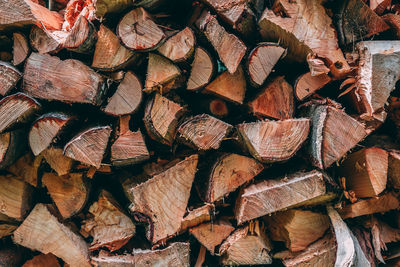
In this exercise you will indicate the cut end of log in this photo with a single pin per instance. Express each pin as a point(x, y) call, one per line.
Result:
point(179, 47)
point(307, 84)
point(202, 70)
point(9, 77)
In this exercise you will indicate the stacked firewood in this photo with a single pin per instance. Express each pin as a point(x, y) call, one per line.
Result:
point(186, 133)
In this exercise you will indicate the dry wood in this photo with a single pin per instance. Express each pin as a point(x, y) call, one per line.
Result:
point(297, 228)
point(197, 216)
point(27, 168)
point(106, 259)
point(12, 145)
point(231, 87)
point(109, 226)
point(9, 77)
point(15, 197)
point(138, 31)
point(262, 60)
point(57, 161)
point(89, 146)
point(161, 201)
point(21, 48)
point(162, 75)
point(104, 7)
point(333, 134)
point(212, 234)
point(127, 98)
point(394, 169)
point(82, 37)
point(379, 6)
point(217, 107)
point(270, 141)
point(51, 237)
point(69, 192)
point(7, 225)
point(180, 46)
point(393, 20)
point(46, 129)
point(16, 109)
point(109, 54)
point(202, 70)
point(161, 119)
point(203, 132)
point(274, 101)
point(43, 260)
point(287, 22)
point(69, 80)
point(18, 13)
point(248, 245)
point(270, 196)
point(228, 173)
point(368, 206)
point(43, 41)
point(230, 48)
point(365, 171)
point(307, 84)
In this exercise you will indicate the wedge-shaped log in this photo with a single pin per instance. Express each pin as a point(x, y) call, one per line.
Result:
point(46, 129)
point(12, 145)
point(21, 48)
point(27, 168)
point(230, 48)
point(203, 132)
point(179, 47)
point(52, 237)
point(365, 171)
point(82, 37)
point(43, 41)
point(286, 21)
point(161, 201)
point(202, 70)
point(333, 134)
point(274, 195)
point(297, 228)
point(228, 173)
point(274, 101)
point(110, 227)
point(58, 162)
point(306, 84)
point(270, 141)
point(197, 216)
point(248, 245)
point(69, 80)
point(9, 77)
point(89, 146)
point(16, 109)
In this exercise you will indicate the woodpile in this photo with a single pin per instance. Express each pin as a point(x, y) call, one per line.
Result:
point(199, 133)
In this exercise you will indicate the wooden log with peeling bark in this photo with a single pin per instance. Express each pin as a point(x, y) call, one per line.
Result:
point(9, 77)
point(52, 237)
point(202, 70)
point(269, 196)
point(27, 168)
point(21, 48)
point(12, 145)
point(307, 84)
point(179, 47)
point(269, 141)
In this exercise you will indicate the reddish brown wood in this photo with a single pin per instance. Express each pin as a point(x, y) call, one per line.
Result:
point(82, 37)
point(42, 260)
point(202, 70)
point(393, 20)
point(58, 162)
point(27, 168)
point(197, 216)
point(43, 41)
point(179, 47)
point(9, 77)
point(379, 6)
point(12, 145)
point(306, 84)
point(217, 107)
point(21, 48)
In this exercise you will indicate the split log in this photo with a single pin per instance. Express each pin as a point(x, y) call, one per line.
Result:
point(211, 235)
point(27, 168)
point(307, 84)
point(378, 73)
point(202, 70)
point(69, 192)
point(109, 226)
point(217, 107)
point(82, 37)
point(109, 54)
point(21, 48)
point(333, 134)
point(230, 48)
point(161, 119)
point(43, 41)
point(165, 193)
point(16, 109)
point(106, 259)
point(127, 98)
point(129, 148)
point(393, 20)
point(231, 87)
point(18, 13)
point(262, 60)
point(89, 146)
point(138, 31)
point(69, 80)
point(275, 100)
point(179, 47)
point(197, 216)
point(103, 7)
point(203, 132)
point(7, 225)
point(43, 260)
point(52, 237)
point(9, 77)
point(248, 245)
point(57, 161)
point(12, 145)
point(368, 206)
point(273, 195)
point(286, 22)
point(270, 141)
point(46, 129)
point(394, 169)
point(358, 22)
point(297, 228)
point(228, 173)
point(162, 75)
point(365, 172)
point(15, 197)
point(379, 6)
